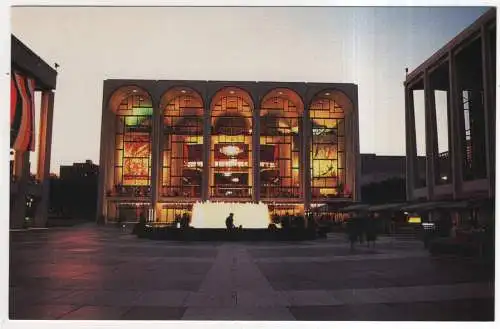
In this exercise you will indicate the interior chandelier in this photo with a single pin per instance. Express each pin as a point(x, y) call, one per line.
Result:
point(230, 150)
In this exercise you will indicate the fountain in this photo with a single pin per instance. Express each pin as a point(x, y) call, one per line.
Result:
point(213, 214)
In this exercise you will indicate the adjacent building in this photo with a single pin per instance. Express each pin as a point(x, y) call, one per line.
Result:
point(168, 144)
point(29, 195)
point(79, 171)
point(454, 94)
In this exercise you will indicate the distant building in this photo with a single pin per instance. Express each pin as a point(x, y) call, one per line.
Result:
point(458, 79)
point(74, 192)
point(379, 168)
point(78, 171)
point(29, 196)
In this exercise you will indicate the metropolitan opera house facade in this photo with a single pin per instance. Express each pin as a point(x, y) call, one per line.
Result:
point(166, 145)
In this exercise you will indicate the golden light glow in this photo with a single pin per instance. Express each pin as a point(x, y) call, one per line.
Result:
point(414, 220)
point(328, 191)
point(194, 139)
point(231, 150)
point(214, 214)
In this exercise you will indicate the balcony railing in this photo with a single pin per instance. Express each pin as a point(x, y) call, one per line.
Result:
point(187, 191)
point(280, 191)
point(228, 191)
point(129, 191)
point(317, 193)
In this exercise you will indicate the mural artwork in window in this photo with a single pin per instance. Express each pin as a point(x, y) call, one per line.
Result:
point(328, 175)
point(133, 146)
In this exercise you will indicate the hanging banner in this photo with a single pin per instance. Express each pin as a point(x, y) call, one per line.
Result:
point(22, 113)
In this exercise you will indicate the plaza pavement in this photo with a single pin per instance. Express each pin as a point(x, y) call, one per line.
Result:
point(102, 273)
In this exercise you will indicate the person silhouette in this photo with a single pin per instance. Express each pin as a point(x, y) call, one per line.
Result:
point(230, 222)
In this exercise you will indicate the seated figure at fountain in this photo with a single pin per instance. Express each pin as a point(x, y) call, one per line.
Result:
point(230, 222)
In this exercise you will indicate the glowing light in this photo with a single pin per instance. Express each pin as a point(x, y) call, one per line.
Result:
point(231, 150)
point(235, 179)
point(227, 174)
point(231, 92)
point(327, 94)
point(183, 91)
point(414, 220)
point(213, 215)
point(231, 163)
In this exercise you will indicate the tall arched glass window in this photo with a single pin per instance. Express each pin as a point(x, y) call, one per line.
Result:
point(328, 149)
point(133, 128)
point(280, 140)
point(182, 144)
point(231, 145)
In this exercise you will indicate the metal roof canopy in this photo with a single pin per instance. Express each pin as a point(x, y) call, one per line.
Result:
point(355, 207)
point(27, 61)
point(434, 205)
point(387, 207)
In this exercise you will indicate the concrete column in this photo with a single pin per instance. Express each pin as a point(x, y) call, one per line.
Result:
point(256, 155)
point(103, 168)
point(155, 150)
point(207, 132)
point(430, 136)
point(356, 151)
point(106, 160)
point(456, 151)
point(489, 118)
point(411, 150)
point(45, 143)
point(306, 159)
point(22, 171)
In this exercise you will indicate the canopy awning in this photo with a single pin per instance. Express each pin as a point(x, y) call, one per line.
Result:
point(355, 207)
point(387, 207)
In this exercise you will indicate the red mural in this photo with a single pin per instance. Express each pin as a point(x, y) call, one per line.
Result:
point(136, 158)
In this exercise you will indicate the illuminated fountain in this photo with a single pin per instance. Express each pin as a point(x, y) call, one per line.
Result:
point(214, 214)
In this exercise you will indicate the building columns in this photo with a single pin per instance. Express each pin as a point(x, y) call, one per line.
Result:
point(103, 168)
point(207, 133)
point(489, 118)
point(411, 151)
point(356, 152)
point(430, 136)
point(256, 155)
point(456, 150)
point(155, 157)
point(44, 152)
point(22, 172)
point(306, 159)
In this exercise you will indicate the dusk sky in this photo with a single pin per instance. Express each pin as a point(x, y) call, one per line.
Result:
point(367, 46)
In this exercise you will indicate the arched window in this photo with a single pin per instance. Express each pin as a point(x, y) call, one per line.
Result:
point(133, 128)
point(280, 140)
point(328, 145)
point(182, 144)
point(231, 144)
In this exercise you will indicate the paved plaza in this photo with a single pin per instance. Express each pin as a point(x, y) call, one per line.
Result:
point(102, 273)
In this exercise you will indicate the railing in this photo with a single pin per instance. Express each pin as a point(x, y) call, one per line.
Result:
point(240, 191)
point(130, 191)
point(187, 191)
point(280, 192)
point(317, 194)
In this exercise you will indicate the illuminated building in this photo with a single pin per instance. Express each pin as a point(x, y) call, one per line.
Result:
point(455, 86)
point(166, 145)
point(30, 75)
